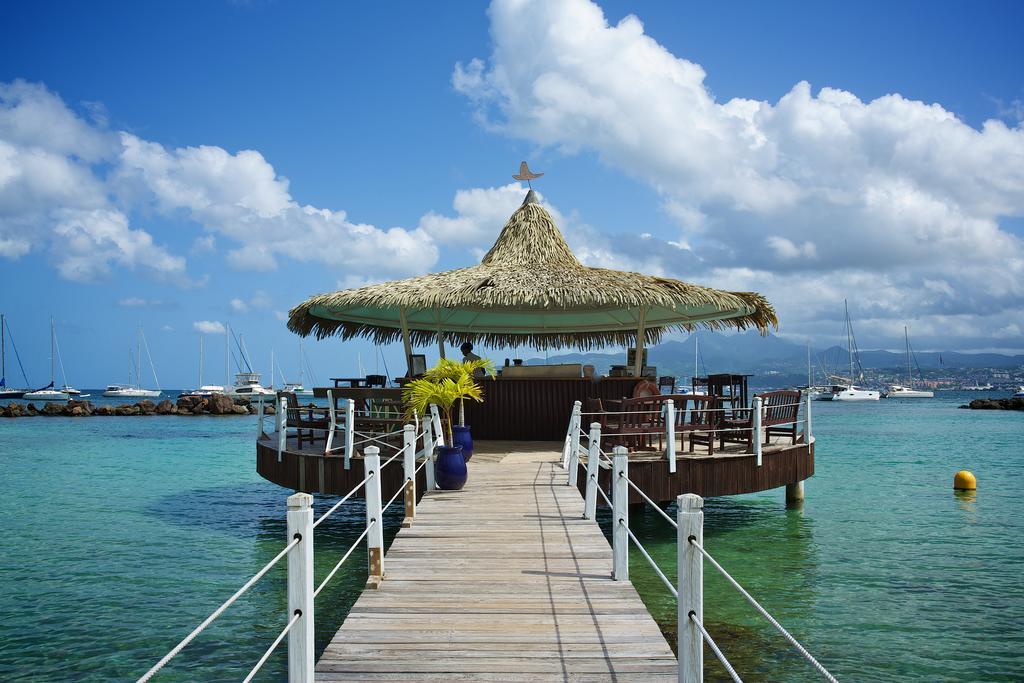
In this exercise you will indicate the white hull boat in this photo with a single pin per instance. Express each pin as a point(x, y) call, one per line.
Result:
point(247, 385)
point(897, 391)
point(46, 395)
point(1019, 393)
point(856, 394)
point(122, 391)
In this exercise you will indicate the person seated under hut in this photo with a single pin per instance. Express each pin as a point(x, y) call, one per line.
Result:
point(468, 355)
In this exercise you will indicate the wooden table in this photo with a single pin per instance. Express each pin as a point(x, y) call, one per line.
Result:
point(350, 381)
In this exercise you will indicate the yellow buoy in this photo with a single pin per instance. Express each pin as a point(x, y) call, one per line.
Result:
point(964, 481)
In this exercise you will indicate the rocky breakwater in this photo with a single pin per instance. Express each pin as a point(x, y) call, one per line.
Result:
point(217, 404)
point(1016, 403)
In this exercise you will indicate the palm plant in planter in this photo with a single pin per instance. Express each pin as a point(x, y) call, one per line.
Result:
point(419, 394)
point(458, 371)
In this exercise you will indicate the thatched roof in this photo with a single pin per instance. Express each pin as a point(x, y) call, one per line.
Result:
point(529, 290)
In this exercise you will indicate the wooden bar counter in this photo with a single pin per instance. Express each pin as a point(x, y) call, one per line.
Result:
point(537, 408)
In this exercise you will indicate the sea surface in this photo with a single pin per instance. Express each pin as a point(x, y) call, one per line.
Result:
point(121, 534)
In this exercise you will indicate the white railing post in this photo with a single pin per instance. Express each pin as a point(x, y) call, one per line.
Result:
point(593, 462)
point(574, 457)
point(690, 565)
point(259, 419)
point(756, 436)
point(807, 420)
point(435, 419)
point(670, 434)
point(332, 422)
point(282, 425)
point(428, 451)
point(409, 460)
point(620, 515)
point(350, 432)
point(375, 537)
point(572, 432)
point(300, 588)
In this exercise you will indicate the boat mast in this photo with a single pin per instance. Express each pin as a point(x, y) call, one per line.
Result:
point(849, 339)
point(910, 377)
point(51, 351)
point(200, 360)
point(808, 366)
point(3, 352)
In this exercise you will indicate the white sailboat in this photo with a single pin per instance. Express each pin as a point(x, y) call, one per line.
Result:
point(298, 388)
point(247, 384)
point(5, 391)
point(48, 393)
point(849, 392)
point(204, 390)
point(135, 390)
point(900, 391)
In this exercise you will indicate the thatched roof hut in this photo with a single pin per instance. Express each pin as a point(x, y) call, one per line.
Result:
point(528, 290)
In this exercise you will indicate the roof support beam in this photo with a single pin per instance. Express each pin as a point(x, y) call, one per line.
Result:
point(641, 336)
point(405, 340)
point(440, 335)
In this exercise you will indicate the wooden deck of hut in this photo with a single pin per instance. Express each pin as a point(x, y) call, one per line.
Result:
point(504, 580)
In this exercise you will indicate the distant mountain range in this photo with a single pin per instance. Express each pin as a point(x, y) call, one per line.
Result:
point(751, 353)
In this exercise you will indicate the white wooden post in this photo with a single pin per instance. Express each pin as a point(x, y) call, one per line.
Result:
point(807, 420)
point(574, 460)
point(375, 537)
point(756, 436)
point(282, 425)
point(670, 434)
point(428, 451)
point(593, 461)
point(620, 515)
point(690, 518)
point(435, 418)
point(300, 588)
point(332, 422)
point(259, 419)
point(350, 432)
point(571, 433)
point(409, 460)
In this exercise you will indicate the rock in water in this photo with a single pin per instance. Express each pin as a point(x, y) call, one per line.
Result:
point(240, 410)
point(221, 405)
point(165, 407)
point(146, 407)
point(52, 409)
point(103, 410)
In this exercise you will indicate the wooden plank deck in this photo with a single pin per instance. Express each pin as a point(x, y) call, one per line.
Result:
point(503, 580)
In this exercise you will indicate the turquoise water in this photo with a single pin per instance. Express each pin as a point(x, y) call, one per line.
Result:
point(121, 534)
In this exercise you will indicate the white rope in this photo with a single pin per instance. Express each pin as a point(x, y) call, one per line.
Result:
point(654, 505)
point(340, 502)
point(603, 494)
point(650, 561)
point(420, 467)
point(400, 491)
point(273, 646)
point(714, 648)
point(217, 612)
point(800, 648)
point(344, 557)
point(391, 459)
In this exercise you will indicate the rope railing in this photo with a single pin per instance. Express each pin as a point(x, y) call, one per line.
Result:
point(689, 591)
point(273, 646)
point(762, 611)
point(217, 612)
point(657, 410)
point(348, 553)
point(714, 648)
point(343, 500)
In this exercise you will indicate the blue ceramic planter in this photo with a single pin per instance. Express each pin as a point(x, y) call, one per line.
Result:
point(450, 471)
point(462, 437)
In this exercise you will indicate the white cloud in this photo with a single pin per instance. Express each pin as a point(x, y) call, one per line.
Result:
point(139, 302)
point(259, 300)
point(209, 327)
point(70, 186)
point(238, 306)
point(820, 193)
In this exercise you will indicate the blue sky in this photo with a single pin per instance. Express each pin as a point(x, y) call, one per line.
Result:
point(684, 146)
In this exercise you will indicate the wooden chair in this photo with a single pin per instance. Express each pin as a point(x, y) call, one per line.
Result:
point(667, 385)
point(779, 414)
point(695, 416)
point(310, 424)
point(641, 424)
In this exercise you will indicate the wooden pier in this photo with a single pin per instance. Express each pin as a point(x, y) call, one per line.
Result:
point(504, 580)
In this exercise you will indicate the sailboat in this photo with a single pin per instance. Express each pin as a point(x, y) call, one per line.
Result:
point(900, 391)
point(5, 391)
point(204, 390)
point(135, 390)
point(298, 388)
point(851, 392)
point(48, 393)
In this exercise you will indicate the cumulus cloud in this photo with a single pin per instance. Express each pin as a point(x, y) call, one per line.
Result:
point(817, 192)
point(75, 189)
point(208, 327)
point(139, 302)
